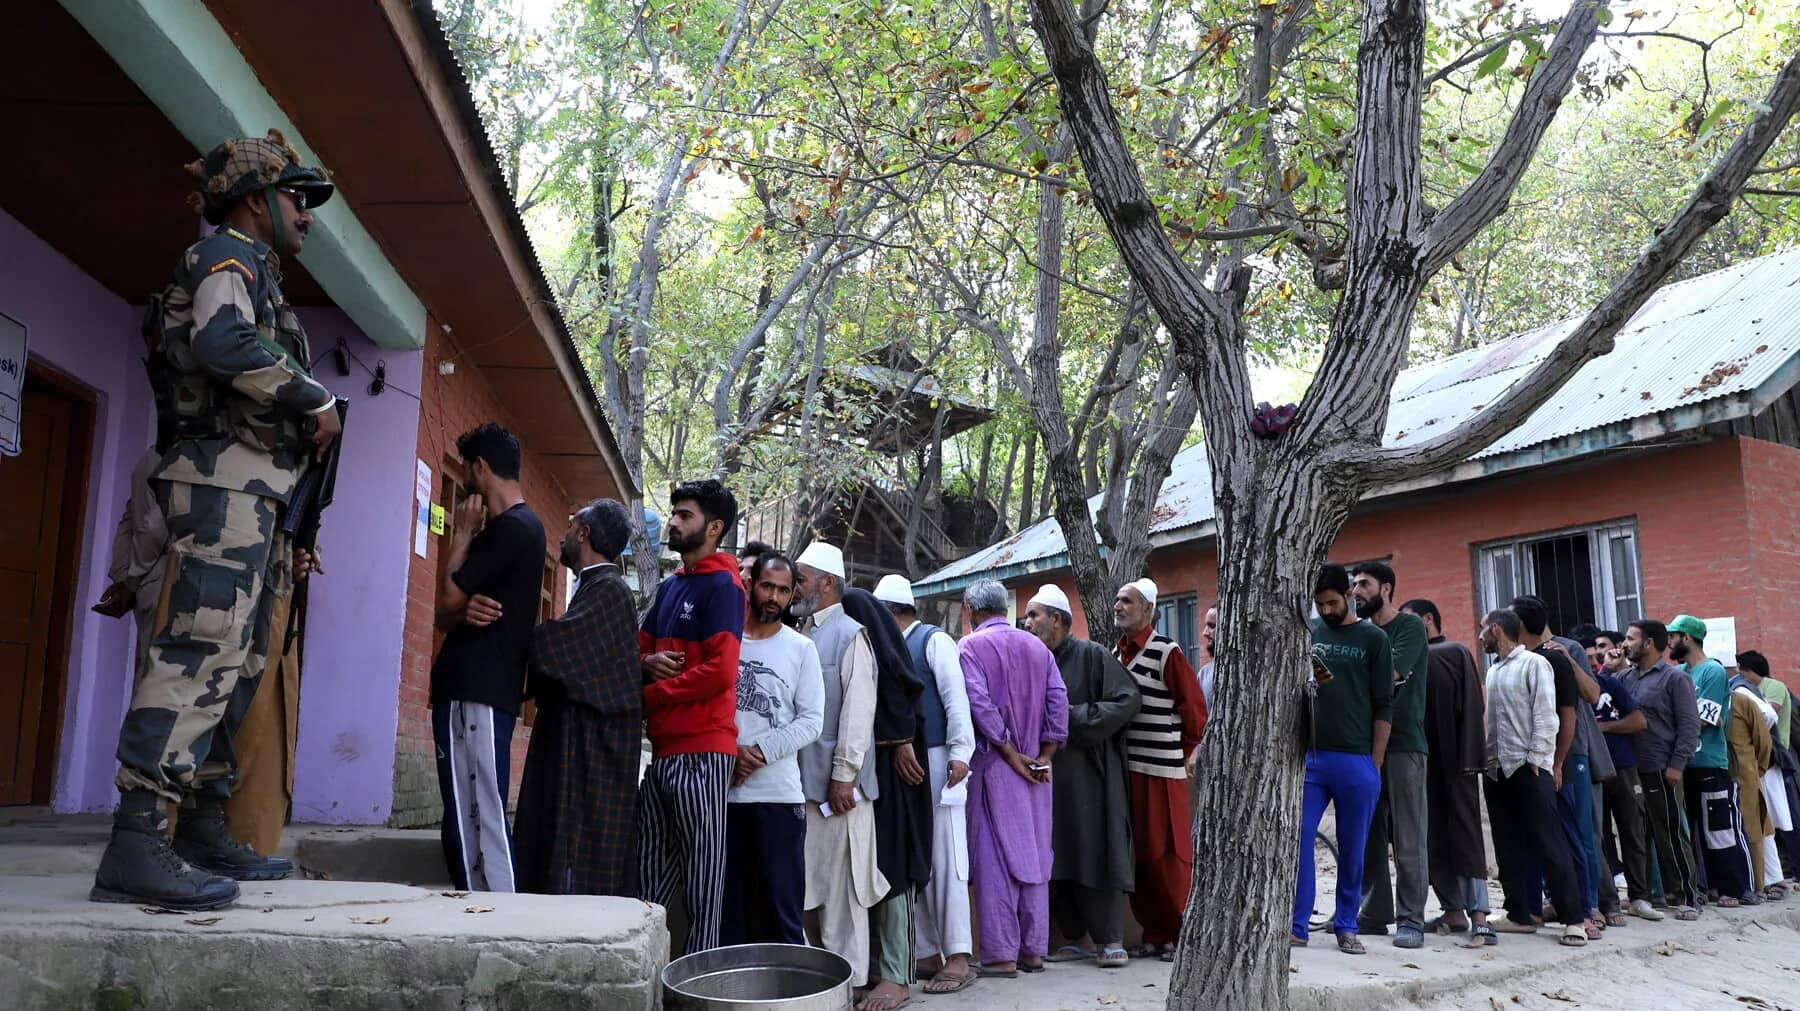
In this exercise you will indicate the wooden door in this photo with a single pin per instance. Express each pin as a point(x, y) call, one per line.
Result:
point(33, 505)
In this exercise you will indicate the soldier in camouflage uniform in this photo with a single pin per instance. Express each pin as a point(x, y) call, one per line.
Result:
point(239, 419)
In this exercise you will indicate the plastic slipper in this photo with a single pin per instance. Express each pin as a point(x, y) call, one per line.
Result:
point(1296, 942)
point(1508, 925)
point(1573, 936)
point(1113, 957)
point(1591, 930)
point(1687, 913)
point(986, 973)
point(1350, 945)
point(883, 1002)
point(1729, 903)
point(1484, 933)
point(1617, 919)
point(1439, 925)
point(1034, 969)
point(1070, 953)
point(946, 982)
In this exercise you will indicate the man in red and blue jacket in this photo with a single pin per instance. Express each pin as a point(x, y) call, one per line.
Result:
point(690, 640)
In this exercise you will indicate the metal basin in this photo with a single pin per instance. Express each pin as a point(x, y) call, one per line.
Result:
point(765, 977)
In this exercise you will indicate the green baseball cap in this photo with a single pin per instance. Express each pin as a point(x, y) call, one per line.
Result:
point(1689, 626)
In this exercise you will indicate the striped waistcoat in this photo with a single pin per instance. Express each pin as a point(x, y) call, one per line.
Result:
point(1153, 742)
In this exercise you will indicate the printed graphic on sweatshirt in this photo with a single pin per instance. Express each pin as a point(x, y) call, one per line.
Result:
point(760, 690)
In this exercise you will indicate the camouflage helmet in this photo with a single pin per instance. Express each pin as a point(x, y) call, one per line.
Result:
point(245, 165)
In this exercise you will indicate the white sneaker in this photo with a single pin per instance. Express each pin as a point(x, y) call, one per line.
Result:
point(1643, 910)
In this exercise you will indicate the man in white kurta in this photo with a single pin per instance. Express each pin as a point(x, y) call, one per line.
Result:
point(837, 772)
point(943, 939)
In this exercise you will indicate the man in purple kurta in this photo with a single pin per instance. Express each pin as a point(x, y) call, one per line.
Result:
point(1020, 709)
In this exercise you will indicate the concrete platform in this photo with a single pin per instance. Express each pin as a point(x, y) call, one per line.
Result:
point(343, 945)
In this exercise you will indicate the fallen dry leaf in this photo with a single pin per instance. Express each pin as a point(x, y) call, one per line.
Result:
point(479, 909)
point(268, 909)
point(206, 921)
point(1495, 1001)
point(1667, 948)
point(454, 895)
point(1561, 996)
point(1408, 965)
point(311, 918)
point(371, 921)
point(159, 911)
point(1111, 998)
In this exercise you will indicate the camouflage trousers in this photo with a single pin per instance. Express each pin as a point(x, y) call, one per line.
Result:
point(208, 640)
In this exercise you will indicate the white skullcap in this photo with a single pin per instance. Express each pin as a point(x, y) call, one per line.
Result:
point(1147, 588)
point(894, 589)
point(827, 558)
point(1051, 595)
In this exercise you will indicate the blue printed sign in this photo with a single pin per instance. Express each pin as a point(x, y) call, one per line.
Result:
point(12, 382)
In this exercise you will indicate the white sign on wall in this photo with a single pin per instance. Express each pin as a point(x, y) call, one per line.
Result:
point(1721, 640)
point(12, 382)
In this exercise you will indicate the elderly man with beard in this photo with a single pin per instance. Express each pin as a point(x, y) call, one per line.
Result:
point(1091, 789)
point(943, 930)
point(1400, 814)
point(1021, 714)
point(1351, 722)
point(576, 828)
point(1162, 744)
point(780, 702)
point(837, 771)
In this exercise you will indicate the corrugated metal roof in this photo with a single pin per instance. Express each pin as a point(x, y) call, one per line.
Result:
point(1724, 334)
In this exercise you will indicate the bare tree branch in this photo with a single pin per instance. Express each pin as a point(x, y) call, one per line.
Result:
point(1593, 336)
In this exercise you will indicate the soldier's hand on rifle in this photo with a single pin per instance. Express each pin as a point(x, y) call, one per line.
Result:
point(330, 427)
point(307, 562)
point(115, 602)
point(481, 611)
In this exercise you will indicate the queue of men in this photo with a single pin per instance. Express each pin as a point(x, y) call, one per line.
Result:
point(1605, 758)
point(825, 768)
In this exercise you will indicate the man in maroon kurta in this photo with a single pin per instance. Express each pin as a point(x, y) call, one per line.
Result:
point(1020, 709)
point(1160, 748)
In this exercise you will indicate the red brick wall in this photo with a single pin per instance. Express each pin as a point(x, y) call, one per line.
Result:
point(1771, 582)
point(451, 405)
point(1705, 548)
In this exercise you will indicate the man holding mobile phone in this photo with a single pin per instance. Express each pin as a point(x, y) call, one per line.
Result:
point(1020, 709)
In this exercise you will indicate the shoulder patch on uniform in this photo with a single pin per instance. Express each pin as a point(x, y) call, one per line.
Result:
point(233, 263)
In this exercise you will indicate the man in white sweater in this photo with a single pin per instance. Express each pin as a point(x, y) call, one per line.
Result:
point(780, 709)
point(943, 941)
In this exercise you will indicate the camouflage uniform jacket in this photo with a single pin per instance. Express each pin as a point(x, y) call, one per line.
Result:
point(239, 354)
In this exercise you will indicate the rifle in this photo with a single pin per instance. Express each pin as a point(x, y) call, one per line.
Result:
point(306, 507)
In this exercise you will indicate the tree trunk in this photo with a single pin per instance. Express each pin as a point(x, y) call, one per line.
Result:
point(1279, 512)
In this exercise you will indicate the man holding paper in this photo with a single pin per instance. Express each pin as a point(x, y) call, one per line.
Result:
point(837, 771)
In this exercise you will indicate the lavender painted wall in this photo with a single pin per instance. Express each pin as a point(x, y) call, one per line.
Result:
point(349, 699)
point(88, 334)
point(350, 682)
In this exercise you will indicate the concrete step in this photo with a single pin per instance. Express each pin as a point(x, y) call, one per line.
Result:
point(308, 944)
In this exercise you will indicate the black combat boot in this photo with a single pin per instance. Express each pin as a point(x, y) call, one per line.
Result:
point(201, 840)
point(140, 865)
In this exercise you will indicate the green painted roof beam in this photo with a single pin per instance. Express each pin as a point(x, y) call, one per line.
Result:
point(177, 53)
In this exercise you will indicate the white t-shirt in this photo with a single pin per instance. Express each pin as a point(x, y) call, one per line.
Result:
point(780, 708)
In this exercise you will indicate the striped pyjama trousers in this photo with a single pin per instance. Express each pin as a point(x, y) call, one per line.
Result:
point(681, 838)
